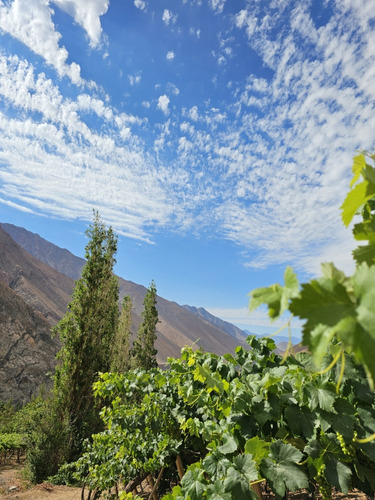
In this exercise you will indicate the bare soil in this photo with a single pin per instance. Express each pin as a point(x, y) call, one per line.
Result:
point(13, 485)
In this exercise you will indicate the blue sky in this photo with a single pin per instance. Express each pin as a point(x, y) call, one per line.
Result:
point(215, 136)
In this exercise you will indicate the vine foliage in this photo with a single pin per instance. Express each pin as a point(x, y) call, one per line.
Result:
point(336, 306)
point(238, 421)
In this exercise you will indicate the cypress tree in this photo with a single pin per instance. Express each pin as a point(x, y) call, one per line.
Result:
point(120, 359)
point(144, 352)
point(87, 333)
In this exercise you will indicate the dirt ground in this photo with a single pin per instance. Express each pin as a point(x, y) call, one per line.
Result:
point(14, 486)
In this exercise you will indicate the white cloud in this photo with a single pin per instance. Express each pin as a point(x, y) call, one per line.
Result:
point(163, 103)
point(58, 165)
point(86, 14)
point(195, 32)
point(140, 4)
point(170, 55)
point(171, 87)
point(168, 17)
point(193, 113)
point(285, 159)
point(30, 21)
point(266, 168)
point(134, 79)
point(217, 5)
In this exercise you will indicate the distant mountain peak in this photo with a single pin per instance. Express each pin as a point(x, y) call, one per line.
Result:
point(227, 327)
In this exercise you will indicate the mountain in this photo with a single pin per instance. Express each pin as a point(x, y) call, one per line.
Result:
point(227, 327)
point(60, 259)
point(38, 284)
point(48, 290)
point(27, 351)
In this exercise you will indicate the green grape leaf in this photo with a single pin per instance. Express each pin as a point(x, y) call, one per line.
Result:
point(239, 477)
point(216, 491)
point(267, 295)
point(363, 343)
point(320, 395)
point(257, 448)
point(200, 373)
point(324, 449)
point(355, 199)
point(365, 253)
point(230, 358)
point(318, 340)
point(276, 297)
point(284, 453)
point(215, 464)
point(365, 230)
point(359, 164)
point(281, 469)
point(193, 483)
point(362, 192)
point(245, 465)
point(328, 308)
point(273, 376)
point(323, 301)
point(337, 474)
point(301, 421)
point(229, 445)
point(175, 495)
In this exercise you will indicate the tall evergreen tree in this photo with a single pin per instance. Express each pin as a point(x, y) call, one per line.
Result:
point(120, 359)
point(144, 352)
point(87, 332)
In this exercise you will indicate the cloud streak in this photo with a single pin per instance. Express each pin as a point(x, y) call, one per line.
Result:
point(266, 167)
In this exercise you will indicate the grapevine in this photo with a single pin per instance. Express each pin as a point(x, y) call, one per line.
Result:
point(236, 420)
point(11, 443)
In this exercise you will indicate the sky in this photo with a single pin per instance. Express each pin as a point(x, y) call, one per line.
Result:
point(215, 136)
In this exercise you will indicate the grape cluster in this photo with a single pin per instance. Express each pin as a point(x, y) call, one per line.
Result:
point(324, 488)
point(347, 450)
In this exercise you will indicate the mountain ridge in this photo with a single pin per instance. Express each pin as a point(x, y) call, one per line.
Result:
point(227, 327)
point(177, 328)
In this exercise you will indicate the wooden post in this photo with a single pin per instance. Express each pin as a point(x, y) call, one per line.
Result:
point(180, 467)
point(152, 483)
point(156, 484)
point(258, 490)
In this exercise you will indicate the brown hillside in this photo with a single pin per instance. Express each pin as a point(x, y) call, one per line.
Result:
point(26, 348)
point(48, 291)
point(178, 326)
point(39, 285)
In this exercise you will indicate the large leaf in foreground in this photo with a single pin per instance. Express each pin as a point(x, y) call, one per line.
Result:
point(239, 477)
point(281, 469)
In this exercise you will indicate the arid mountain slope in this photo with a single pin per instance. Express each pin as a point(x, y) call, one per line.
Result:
point(59, 258)
point(49, 291)
point(233, 330)
point(27, 351)
point(38, 284)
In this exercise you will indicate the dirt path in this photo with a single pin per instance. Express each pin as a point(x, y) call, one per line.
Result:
point(13, 486)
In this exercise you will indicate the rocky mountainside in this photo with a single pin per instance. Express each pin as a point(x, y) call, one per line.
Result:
point(38, 284)
point(48, 291)
point(227, 327)
point(27, 351)
point(58, 258)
